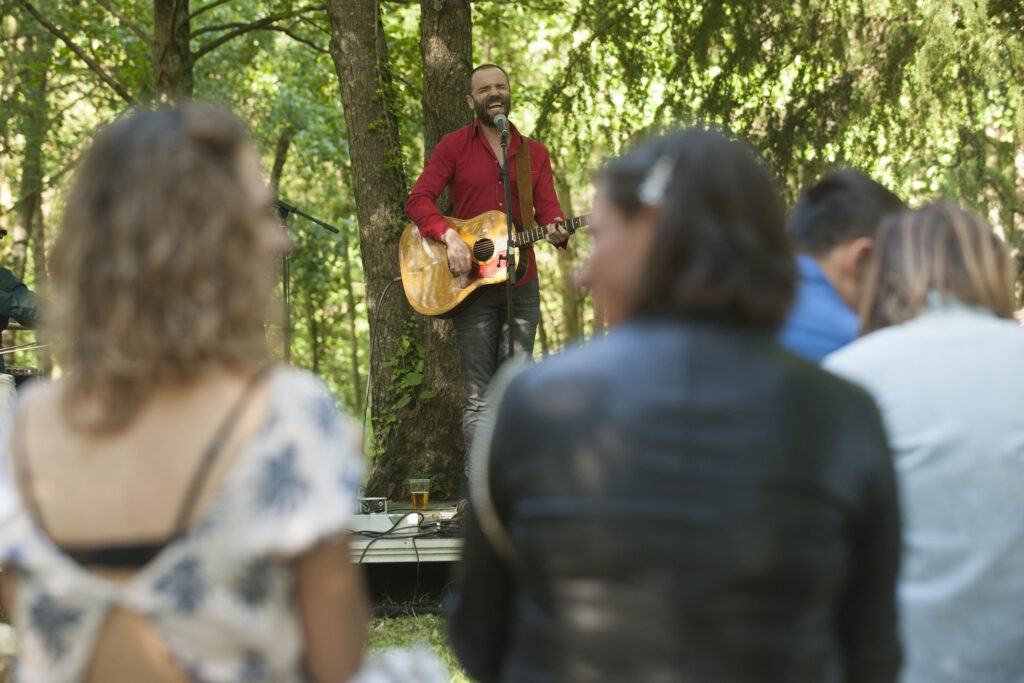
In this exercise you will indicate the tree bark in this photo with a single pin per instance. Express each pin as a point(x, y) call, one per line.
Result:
point(446, 48)
point(172, 53)
point(404, 443)
point(313, 325)
point(353, 334)
point(284, 143)
point(34, 125)
point(38, 241)
point(572, 308)
point(351, 314)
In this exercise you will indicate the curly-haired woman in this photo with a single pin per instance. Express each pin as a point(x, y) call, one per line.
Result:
point(172, 509)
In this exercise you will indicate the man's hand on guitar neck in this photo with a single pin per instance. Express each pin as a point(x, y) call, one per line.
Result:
point(459, 258)
point(559, 234)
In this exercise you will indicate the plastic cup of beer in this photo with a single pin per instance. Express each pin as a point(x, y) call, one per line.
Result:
point(419, 489)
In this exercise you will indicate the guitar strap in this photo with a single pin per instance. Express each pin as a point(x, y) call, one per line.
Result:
point(524, 179)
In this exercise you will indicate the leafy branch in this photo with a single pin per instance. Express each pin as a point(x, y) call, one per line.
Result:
point(79, 52)
point(132, 25)
point(235, 30)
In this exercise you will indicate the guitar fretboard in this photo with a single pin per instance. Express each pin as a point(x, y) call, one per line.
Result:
point(528, 237)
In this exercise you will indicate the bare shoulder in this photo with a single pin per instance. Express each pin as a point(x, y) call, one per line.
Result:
point(40, 395)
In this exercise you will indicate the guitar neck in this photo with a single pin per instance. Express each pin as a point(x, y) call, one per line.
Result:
point(528, 237)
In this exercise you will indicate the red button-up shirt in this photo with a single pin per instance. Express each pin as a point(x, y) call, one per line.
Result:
point(464, 161)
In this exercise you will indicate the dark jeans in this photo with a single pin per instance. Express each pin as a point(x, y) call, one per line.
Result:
point(482, 334)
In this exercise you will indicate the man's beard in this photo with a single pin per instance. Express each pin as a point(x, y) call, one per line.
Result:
point(487, 117)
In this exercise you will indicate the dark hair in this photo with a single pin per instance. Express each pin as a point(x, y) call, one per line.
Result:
point(469, 78)
point(842, 206)
point(721, 249)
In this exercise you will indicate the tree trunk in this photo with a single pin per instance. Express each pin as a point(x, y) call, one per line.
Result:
point(351, 314)
point(404, 443)
point(38, 241)
point(446, 46)
point(172, 53)
point(542, 332)
point(353, 335)
point(284, 143)
point(447, 51)
point(34, 125)
point(313, 325)
point(572, 310)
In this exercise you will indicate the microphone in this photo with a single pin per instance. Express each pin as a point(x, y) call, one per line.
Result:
point(501, 122)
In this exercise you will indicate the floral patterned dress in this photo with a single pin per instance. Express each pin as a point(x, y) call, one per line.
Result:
point(222, 594)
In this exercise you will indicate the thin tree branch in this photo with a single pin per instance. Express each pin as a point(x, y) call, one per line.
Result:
point(133, 26)
point(257, 25)
point(287, 30)
point(217, 27)
point(206, 8)
point(82, 54)
point(299, 39)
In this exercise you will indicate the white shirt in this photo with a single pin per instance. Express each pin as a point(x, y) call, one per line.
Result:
point(950, 385)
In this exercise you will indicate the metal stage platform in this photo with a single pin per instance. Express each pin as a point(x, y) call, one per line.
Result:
point(405, 535)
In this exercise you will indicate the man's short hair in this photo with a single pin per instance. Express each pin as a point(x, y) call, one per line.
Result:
point(469, 79)
point(842, 206)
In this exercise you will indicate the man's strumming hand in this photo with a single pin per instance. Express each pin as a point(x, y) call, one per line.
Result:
point(459, 258)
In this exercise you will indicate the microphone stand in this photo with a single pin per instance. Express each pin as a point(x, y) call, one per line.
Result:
point(284, 209)
point(510, 253)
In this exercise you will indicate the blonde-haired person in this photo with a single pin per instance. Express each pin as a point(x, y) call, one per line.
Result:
point(945, 361)
point(173, 509)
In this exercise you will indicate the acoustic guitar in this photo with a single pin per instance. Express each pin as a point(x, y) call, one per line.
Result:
point(430, 286)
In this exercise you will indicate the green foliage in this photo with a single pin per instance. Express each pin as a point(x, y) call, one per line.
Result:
point(926, 95)
point(405, 375)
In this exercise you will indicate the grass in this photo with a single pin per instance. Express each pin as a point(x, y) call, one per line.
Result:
point(405, 631)
point(384, 633)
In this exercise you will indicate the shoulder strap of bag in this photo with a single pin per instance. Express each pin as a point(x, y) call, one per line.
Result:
point(524, 179)
point(480, 465)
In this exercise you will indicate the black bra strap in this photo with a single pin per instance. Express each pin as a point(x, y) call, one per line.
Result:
point(131, 556)
point(188, 504)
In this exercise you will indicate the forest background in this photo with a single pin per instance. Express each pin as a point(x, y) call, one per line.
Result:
point(345, 98)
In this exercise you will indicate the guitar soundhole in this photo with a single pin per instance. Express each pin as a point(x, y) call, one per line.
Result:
point(483, 250)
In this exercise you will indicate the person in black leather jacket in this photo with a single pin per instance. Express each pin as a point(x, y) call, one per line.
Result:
point(682, 500)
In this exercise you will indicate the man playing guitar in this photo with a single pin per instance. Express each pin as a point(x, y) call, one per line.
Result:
point(468, 162)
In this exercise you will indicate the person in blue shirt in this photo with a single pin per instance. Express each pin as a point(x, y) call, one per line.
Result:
point(833, 227)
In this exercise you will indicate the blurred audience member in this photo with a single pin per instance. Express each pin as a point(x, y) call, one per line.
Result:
point(16, 301)
point(833, 226)
point(177, 510)
point(945, 361)
point(682, 500)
